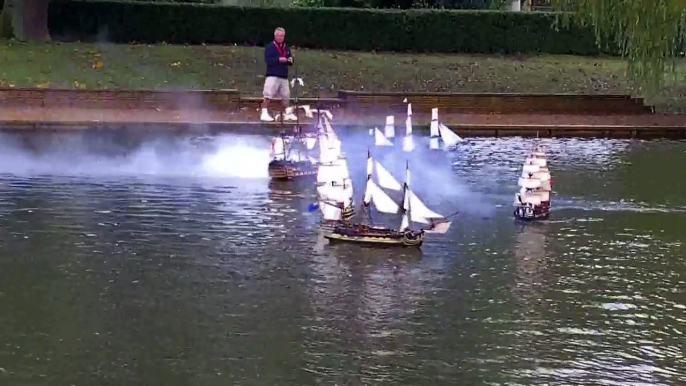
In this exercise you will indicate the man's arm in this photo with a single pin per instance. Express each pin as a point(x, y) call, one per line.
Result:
point(271, 55)
point(289, 56)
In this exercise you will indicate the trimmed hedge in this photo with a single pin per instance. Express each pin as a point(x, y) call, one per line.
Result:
point(437, 31)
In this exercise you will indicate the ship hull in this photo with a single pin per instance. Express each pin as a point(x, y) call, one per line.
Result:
point(289, 170)
point(377, 236)
point(537, 213)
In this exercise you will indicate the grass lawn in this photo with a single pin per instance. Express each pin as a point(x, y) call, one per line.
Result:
point(92, 66)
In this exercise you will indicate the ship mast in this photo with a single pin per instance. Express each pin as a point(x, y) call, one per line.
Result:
point(366, 206)
point(405, 204)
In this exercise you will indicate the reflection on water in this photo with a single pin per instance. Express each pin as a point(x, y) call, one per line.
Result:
point(118, 278)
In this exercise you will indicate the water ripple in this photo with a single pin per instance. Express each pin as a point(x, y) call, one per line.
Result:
point(164, 280)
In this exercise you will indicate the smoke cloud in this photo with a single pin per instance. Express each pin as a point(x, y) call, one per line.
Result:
point(107, 155)
point(433, 175)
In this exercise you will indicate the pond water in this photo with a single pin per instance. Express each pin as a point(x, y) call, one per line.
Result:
point(159, 262)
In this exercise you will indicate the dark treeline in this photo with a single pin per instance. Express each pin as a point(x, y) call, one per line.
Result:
point(405, 4)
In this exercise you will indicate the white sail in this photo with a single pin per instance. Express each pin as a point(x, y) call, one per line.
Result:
point(335, 172)
point(439, 227)
point(333, 143)
point(380, 139)
point(342, 164)
point(529, 183)
point(408, 143)
point(381, 201)
point(531, 168)
point(327, 154)
point(327, 126)
point(389, 129)
point(543, 195)
point(385, 178)
point(326, 192)
point(278, 147)
point(536, 161)
point(310, 142)
point(330, 211)
point(434, 123)
point(541, 175)
point(532, 199)
point(335, 192)
point(327, 172)
point(419, 212)
point(405, 223)
point(449, 137)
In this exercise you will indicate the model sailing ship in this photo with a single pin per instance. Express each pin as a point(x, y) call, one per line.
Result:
point(334, 185)
point(411, 208)
point(533, 200)
point(441, 133)
point(294, 156)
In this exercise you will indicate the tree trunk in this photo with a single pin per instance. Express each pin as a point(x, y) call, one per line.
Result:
point(25, 20)
point(516, 6)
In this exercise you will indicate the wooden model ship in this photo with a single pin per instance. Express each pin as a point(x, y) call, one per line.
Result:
point(291, 158)
point(411, 208)
point(334, 185)
point(294, 156)
point(533, 200)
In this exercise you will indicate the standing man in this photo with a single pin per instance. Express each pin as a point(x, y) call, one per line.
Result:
point(278, 58)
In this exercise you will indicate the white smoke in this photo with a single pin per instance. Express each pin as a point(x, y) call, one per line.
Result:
point(226, 156)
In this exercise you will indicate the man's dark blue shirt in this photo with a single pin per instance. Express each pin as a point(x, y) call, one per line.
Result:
point(272, 52)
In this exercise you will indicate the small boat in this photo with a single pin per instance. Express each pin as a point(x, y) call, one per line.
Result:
point(381, 138)
point(294, 156)
point(411, 208)
point(334, 185)
point(532, 202)
point(291, 158)
point(441, 133)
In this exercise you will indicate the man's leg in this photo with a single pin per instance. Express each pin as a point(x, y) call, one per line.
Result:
point(285, 92)
point(267, 93)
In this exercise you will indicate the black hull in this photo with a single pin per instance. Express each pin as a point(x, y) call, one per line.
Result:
point(527, 214)
point(289, 170)
point(376, 236)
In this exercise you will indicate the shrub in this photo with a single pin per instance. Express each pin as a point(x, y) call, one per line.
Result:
point(437, 31)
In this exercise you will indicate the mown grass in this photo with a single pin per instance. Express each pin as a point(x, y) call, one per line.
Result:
point(90, 66)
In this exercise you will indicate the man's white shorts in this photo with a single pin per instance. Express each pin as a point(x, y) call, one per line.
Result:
point(276, 88)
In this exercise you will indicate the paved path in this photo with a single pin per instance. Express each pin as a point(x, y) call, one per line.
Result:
point(83, 117)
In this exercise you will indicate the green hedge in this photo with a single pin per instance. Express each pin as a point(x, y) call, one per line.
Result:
point(437, 31)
